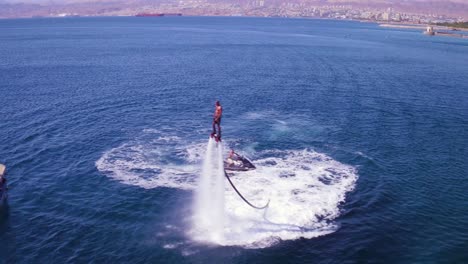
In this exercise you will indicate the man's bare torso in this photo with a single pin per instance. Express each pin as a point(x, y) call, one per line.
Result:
point(218, 112)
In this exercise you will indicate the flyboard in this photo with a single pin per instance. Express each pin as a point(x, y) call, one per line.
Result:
point(216, 136)
point(3, 184)
point(244, 166)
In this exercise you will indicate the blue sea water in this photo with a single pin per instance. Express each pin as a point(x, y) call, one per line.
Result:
point(360, 134)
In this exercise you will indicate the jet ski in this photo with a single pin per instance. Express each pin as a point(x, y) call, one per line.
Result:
point(3, 185)
point(236, 162)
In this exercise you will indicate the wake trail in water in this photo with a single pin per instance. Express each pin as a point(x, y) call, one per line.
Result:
point(307, 188)
point(209, 196)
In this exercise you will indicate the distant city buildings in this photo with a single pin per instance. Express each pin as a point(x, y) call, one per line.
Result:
point(258, 8)
point(267, 8)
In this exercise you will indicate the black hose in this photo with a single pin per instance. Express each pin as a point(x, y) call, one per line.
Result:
point(240, 195)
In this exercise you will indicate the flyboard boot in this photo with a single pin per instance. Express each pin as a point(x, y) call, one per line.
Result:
point(216, 136)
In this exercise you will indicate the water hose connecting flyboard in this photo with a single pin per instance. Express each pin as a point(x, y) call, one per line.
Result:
point(240, 195)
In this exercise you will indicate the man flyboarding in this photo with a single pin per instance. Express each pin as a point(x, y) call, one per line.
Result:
point(217, 136)
point(217, 121)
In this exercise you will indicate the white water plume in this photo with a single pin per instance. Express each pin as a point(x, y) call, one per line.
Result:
point(209, 196)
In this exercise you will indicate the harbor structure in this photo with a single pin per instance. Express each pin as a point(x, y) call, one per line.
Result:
point(429, 31)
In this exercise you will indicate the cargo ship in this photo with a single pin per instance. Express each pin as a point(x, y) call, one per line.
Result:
point(157, 14)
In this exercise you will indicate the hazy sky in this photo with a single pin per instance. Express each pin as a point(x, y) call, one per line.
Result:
point(65, 1)
point(365, 1)
point(50, 1)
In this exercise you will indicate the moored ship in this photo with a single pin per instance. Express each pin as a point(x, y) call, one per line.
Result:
point(157, 14)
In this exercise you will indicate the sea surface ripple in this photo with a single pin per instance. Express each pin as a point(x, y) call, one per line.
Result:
point(359, 132)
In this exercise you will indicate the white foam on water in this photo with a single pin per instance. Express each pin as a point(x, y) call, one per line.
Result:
point(171, 245)
point(159, 162)
point(305, 187)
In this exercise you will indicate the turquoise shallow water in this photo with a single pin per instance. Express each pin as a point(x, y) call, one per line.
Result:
point(360, 132)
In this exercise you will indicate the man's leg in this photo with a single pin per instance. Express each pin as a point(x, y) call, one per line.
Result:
point(219, 129)
point(213, 132)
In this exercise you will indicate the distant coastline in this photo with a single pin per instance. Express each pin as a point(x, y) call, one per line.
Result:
point(456, 25)
point(437, 30)
point(438, 26)
point(372, 10)
point(400, 25)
